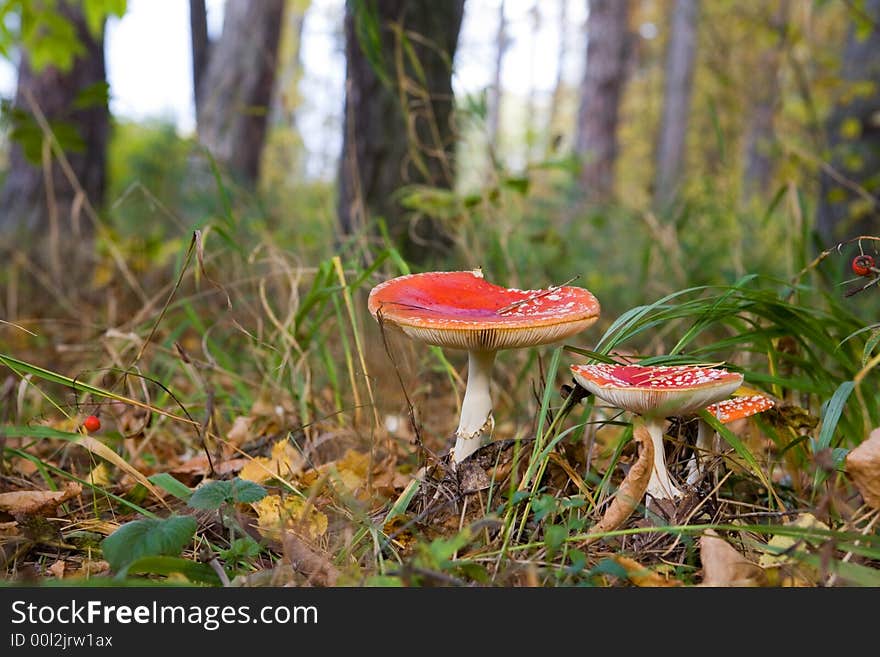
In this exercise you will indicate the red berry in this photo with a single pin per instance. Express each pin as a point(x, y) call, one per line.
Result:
point(863, 265)
point(92, 423)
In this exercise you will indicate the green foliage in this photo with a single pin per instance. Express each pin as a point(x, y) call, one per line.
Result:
point(45, 34)
point(167, 565)
point(25, 131)
point(214, 494)
point(148, 537)
point(169, 484)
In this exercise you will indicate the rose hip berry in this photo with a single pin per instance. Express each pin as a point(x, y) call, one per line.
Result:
point(863, 265)
point(92, 423)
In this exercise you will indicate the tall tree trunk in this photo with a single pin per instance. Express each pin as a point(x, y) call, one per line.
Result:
point(553, 136)
point(398, 117)
point(494, 101)
point(38, 199)
point(680, 58)
point(237, 87)
point(849, 195)
point(760, 132)
point(283, 155)
point(198, 30)
point(601, 92)
point(531, 125)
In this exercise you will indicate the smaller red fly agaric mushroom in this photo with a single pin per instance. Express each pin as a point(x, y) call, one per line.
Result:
point(655, 393)
point(461, 310)
point(729, 410)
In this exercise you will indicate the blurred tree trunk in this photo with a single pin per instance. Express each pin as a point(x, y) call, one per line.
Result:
point(284, 161)
point(38, 200)
point(849, 195)
point(531, 125)
point(494, 100)
point(554, 136)
point(237, 87)
point(601, 92)
point(681, 51)
point(398, 117)
point(760, 132)
point(198, 29)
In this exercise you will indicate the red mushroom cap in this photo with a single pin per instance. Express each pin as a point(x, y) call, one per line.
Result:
point(657, 390)
point(737, 408)
point(461, 310)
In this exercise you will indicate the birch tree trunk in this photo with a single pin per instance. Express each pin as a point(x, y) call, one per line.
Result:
point(494, 100)
point(554, 135)
point(236, 90)
point(680, 58)
point(601, 93)
point(760, 133)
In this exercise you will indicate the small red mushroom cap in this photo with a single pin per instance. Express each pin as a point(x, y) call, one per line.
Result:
point(657, 391)
point(461, 310)
point(737, 408)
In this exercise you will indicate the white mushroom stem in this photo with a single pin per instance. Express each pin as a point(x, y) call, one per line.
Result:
point(707, 440)
point(660, 485)
point(475, 425)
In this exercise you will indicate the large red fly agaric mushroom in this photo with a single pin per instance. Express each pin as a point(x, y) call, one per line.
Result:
point(461, 310)
point(729, 410)
point(655, 393)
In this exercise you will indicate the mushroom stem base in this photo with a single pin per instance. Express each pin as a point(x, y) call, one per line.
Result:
point(476, 423)
point(660, 485)
point(707, 442)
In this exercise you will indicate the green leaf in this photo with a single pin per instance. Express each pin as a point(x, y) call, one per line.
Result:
point(832, 415)
point(147, 537)
point(97, 11)
point(171, 485)
point(164, 565)
point(246, 492)
point(518, 184)
point(554, 537)
point(211, 496)
point(214, 494)
point(94, 95)
point(241, 548)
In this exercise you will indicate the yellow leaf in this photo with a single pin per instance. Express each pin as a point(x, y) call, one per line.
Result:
point(778, 543)
point(642, 576)
point(100, 475)
point(351, 471)
point(276, 515)
point(100, 449)
point(286, 463)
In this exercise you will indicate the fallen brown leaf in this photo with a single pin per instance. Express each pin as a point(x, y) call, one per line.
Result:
point(38, 502)
point(863, 466)
point(316, 566)
point(190, 470)
point(723, 565)
point(56, 569)
point(240, 431)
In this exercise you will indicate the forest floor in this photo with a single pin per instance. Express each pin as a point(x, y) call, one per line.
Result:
point(241, 445)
